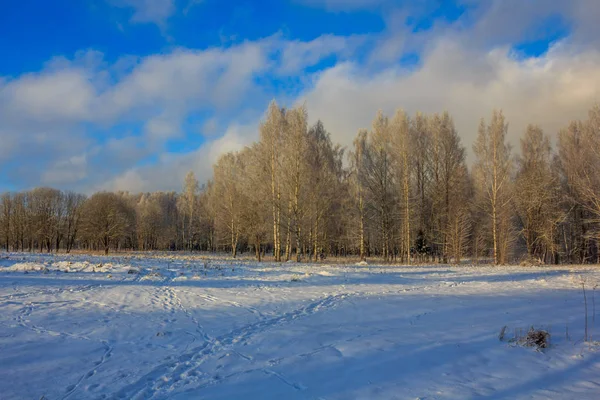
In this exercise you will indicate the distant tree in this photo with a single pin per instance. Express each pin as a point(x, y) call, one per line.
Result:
point(105, 219)
point(229, 200)
point(405, 193)
point(379, 182)
point(149, 221)
point(403, 160)
point(492, 171)
point(272, 131)
point(537, 198)
point(73, 205)
point(255, 210)
point(325, 191)
point(453, 185)
point(421, 139)
point(21, 222)
point(579, 154)
point(6, 216)
point(188, 206)
point(357, 183)
point(45, 212)
point(295, 174)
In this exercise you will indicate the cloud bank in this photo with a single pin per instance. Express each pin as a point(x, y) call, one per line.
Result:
point(88, 124)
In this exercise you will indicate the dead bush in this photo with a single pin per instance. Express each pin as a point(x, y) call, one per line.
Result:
point(531, 262)
point(537, 338)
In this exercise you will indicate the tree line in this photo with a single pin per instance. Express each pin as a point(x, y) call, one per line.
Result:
point(403, 192)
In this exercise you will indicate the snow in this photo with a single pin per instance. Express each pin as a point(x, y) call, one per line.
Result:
point(163, 326)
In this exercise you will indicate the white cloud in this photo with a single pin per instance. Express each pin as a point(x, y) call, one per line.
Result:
point(129, 181)
point(209, 127)
point(67, 171)
point(549, 91)
point(148, 11)
point(9, 144)
point(168, 173)
point(56, 95)
point(122, 115)
point(163, 126)
point(188, 78)
point(297, 55)
point(65, 109)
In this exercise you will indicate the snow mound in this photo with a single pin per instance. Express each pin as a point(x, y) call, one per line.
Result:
point(153, 276)
point(27, 267)
point(68, 266)
point(117, 268)
point(325, 273)
point(59, 266)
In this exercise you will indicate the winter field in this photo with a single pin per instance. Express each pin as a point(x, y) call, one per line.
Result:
point(185, 327)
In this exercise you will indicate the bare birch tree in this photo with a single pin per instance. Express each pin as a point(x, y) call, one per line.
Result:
point(492, 169)
point(105, 220)
point(6, 217)
point(379, 181)
point(188, 206)
point(272, 131)
point(401, 141)
point(325, 172)
point(228, 175)
point(537, 199)
point(421, 142)
point(357, 189)
point(295, 175)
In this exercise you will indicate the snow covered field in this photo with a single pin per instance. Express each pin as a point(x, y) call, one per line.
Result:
point(155, 327)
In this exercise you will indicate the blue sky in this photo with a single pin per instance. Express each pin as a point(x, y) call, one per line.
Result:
point(131, 94)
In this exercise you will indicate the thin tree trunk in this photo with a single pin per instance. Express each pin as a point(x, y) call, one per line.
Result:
point(362, 226)
point(298, 231)
point(233, 239)
point(407, 206)
point(316, 240)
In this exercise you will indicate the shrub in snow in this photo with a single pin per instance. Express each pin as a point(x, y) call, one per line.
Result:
point(537, 338)
point(531, 262)
point(152, 276)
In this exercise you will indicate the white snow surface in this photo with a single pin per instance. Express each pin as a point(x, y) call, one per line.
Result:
point(164, 326)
